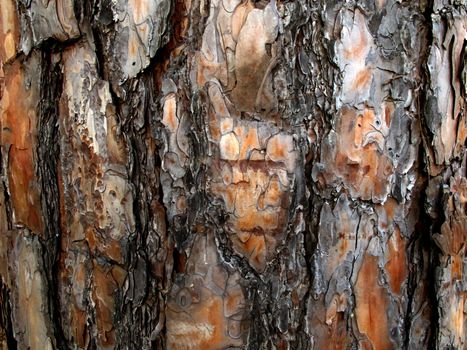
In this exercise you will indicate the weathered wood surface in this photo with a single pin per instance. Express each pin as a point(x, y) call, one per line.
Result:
point(233, 174)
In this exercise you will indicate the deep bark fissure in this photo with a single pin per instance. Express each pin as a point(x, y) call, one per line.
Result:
point(6, 325)
point(6, 196)
point(48, 151)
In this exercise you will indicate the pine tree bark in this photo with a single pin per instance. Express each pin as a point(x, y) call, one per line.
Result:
point(231, 174)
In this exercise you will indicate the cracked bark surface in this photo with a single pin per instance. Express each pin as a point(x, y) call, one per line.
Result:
point(233, 174)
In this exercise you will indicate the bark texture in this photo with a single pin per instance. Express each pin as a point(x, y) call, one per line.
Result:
point(230, 174)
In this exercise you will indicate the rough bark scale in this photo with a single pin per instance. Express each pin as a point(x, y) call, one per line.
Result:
point(233, 174)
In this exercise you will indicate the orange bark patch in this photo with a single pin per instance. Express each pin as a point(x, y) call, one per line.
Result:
point(229, 198)
point(279, 147)
point(343, 246)
point(229, 147)
point(132, 48)
point(257, 202)
point(249, 195)
point(79, 329)
point(396, 266)
point(203, 325)
point(254, 248)
point(103, 245)
point(226, 125)
point(214, 128)
point(273, 195)
point(9, 30)
point(170, 119)
point(118, 275)
point(233, 302)
point(366, 127)
point(206, 306)
point(454, 235)
point(371, 304)
point(388, 111)
point(249, 141)
point(358, 38)
point(457, 318)
point(258, 220)
point(358, 161)
point(216, 97)
point(215, 318)
point(362, 79)
point(140, 10)
point(239, 17)
point(456, 267)
point(207, 70)
point(338, 336)
point(203, 330)
point(18, 134)
point(386, 213)
point(103, 297)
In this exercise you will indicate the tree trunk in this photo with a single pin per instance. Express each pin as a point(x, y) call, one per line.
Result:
point(220, 174)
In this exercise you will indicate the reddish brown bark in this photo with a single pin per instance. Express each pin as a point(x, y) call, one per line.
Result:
point(232, 174)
